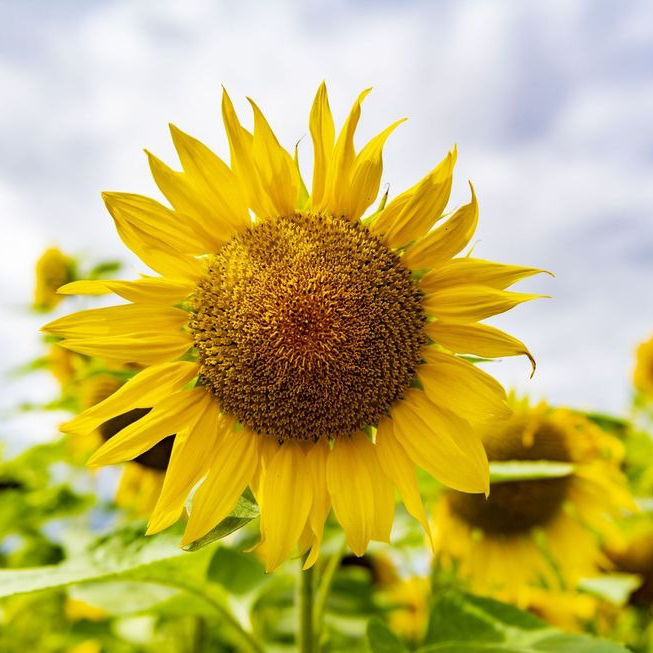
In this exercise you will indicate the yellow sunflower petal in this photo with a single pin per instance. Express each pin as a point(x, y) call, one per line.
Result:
point(191, 202)
point(398, 467)
point(303, 199)
point(157, 221)
point(129, 348)
point(472, 303)
point(455, 384)
point(242, 161)
point(342, 160)
point(221, 193)
point(176, 187)
point(445, 241)
point(475, 272)
point(410, 215)
point(172, 414)
point(147, 388)
point(267, 448)
point(288, 494)
point(115, 320)
point(323, 135)
point(276, 168)
point(441, 443)
point(366, 175)
point(160, 256)
point(304, 542)
point(359, 492)
point(232, 467)
point(148, 290)
point(188, 463)
point(477, 339)
point(316, 461)
point(384, 501)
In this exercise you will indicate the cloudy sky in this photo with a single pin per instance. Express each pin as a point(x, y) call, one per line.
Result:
point(550, 104)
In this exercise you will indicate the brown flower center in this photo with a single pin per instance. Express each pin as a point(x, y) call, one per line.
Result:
point(307, 326)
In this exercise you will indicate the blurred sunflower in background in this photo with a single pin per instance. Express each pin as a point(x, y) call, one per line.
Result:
point(543, 532)
point(643, 374)
point(53, 270)
point(141, 479)
point(85, 381)
point(284, 327)
point(405, 599)
point(64, 365)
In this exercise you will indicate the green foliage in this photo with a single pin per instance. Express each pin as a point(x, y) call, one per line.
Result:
point(463, 623)
point(142, 566)
point(242, 514)
point(125, 554)
point(381, 639)
point(614, 587)
point(103, 270)
point(527, 470)
point(239, 573)
point(29, 499)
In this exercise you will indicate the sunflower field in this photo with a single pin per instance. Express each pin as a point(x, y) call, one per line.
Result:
point(269, 398)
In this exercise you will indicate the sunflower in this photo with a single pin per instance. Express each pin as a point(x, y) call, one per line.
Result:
point(408, 604)
point(64, 365)
point(293, 345)
point(404, 599)
point(643, 375)
point(544, 532)
point(53, 269)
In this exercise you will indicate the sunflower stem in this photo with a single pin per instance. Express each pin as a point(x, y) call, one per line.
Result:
point(305, 599)
point(322, 593)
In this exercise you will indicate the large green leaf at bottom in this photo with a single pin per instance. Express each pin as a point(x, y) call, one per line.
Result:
point(463, 623)
point(126, 554)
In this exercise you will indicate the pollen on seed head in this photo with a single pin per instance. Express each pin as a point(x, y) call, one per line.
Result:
point(307, 326)
point(514, 508)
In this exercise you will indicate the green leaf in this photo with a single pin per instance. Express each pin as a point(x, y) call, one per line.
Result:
point(123, 597)
point(121, 555)
point(462, 623)
point(127, 555)
point(103, 269)
point(450, 620)
point(504, 613)
point(615, 588)
point(381, 639)
point(555, 644)
point(561, 643)
point(505, 471)
point(239, 573)
point(243, 513)
point(470, 647)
